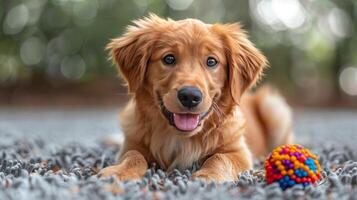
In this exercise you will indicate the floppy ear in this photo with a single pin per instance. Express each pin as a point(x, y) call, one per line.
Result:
point(132, 51)
point(245, 61)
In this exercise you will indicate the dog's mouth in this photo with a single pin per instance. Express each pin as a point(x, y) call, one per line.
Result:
point(185, 122)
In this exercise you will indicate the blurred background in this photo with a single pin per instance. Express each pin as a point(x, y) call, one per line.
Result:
point(52, 51)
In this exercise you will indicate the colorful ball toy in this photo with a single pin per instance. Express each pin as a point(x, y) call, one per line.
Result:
point(292, 164)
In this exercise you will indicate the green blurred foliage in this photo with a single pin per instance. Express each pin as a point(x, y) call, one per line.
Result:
point(308, 42)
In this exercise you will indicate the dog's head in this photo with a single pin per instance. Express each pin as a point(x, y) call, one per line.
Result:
point(187, 66)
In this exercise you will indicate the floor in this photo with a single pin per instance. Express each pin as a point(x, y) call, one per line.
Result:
point(55, 153)
point(90, 124)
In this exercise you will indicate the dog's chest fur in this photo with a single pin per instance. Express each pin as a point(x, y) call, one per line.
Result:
point(158, 143)
point(172, 151)
point(163, 147)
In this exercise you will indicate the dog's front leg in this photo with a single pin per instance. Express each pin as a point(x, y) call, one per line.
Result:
point(132, 166)
point(225, 166)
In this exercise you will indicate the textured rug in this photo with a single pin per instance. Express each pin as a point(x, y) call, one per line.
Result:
point(33, 168)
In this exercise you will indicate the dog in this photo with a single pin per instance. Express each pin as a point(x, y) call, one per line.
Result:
point(189, 83)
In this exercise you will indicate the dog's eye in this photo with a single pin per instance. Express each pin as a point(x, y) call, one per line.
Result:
point(211, 62)
point(169, 59)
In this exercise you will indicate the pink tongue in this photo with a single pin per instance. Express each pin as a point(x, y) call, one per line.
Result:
point(186, 122)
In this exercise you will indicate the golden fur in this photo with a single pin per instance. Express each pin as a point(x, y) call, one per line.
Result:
point(219, 143)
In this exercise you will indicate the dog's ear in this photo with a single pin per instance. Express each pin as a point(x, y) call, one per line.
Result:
point(132, 51)
point(245, 61)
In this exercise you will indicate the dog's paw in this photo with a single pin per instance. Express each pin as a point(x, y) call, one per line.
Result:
point(203, 176)
point(119, 172)
point(209, 176)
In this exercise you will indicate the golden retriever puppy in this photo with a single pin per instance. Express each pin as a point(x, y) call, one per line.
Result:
point(187, 81)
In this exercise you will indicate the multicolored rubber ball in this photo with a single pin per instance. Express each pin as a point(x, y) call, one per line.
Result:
point(290, 165)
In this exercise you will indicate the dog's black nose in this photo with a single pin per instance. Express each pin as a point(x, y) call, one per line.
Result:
point(189, 97)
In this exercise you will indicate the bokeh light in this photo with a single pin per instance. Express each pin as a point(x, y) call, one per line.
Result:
point(348, 80)
point(8, 69)
point(32, 51)
point(339, 23)
point(85, 11)
point(73, 67)
point(279, 14)
point(179, 5)
point(16, 19)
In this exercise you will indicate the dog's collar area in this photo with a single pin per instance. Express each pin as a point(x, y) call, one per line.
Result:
point(170, 116)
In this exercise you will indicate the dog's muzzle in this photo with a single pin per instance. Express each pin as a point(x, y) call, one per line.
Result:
point(185, 122)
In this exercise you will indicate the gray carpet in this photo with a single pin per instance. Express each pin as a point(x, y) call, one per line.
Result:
point(52, 153)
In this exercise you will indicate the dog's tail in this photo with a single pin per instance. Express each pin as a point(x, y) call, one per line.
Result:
point(114, 140)
point(276, 116)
